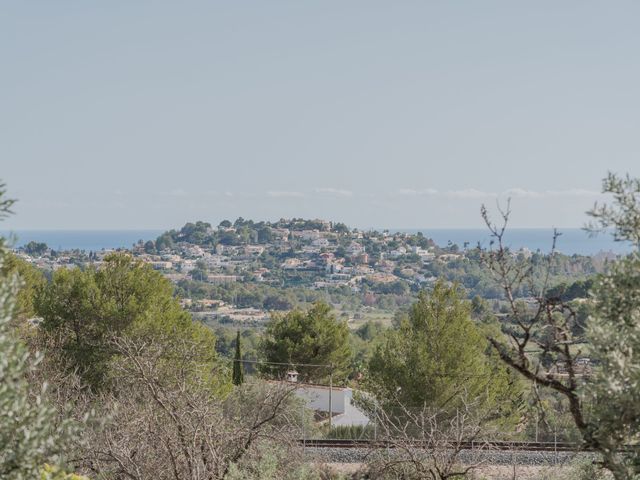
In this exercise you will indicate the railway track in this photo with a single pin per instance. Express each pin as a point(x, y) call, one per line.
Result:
point(493, 445)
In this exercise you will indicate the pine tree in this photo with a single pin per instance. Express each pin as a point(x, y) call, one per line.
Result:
point(433, 353)
point(314, 336)
point(238, 375)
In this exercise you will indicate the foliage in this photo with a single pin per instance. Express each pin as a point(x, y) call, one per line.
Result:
point(540, 339)
point(427, 442)
point(434, 354)
point(171, 427)
point(351, 432)
point(272, 462)
point(150, 246)
point(30, 432)
point(624, 214)
point(578, 469)
point(614, 333)
point(50, 472)
point(572, 291)
point(5, 206)
point(547, 418)
point(312, 337)
point(31, 280)
point(238, 375)
point(226, 342)
point(369, 330)
point(250, 295)
point(165, 241)
point(471, 274)
point(82, 309)
point(545, 337)
point(36, 249)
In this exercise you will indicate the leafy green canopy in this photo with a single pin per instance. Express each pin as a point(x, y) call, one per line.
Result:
point(313, 337)
point(31, 280)
point(435, 356)
point(83, 309)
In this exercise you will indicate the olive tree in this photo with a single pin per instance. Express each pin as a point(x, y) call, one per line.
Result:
point(545, 345)
point(614, 333)
point(31, 433)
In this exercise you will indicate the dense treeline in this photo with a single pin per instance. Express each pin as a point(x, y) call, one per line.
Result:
point(243, 231)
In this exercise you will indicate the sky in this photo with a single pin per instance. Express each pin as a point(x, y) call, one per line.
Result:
point(410, 114)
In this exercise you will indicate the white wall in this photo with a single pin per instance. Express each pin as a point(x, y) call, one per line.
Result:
point(343, 409)
point(317, 398)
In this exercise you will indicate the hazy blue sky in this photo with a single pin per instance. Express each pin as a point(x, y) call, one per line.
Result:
point(133, 114)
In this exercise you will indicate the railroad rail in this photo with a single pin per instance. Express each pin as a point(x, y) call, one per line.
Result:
point(479, 445)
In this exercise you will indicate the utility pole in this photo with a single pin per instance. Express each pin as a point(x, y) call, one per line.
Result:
point(330, 396)
point(304, 442)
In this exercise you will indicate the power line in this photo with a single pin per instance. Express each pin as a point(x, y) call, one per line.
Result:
point(290, 364)
point(294, 364)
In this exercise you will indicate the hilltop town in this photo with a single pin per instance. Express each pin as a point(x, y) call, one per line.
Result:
point(240, 272)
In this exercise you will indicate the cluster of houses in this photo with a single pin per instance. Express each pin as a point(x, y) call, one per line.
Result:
point(323, 257)
point(315, 258)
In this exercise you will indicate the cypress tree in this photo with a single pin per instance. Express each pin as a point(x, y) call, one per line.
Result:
point(238, 376)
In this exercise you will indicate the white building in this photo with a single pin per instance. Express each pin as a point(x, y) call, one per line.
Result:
point(320, 242)
point(343, 410)
point(355, 249)
point(253, 249)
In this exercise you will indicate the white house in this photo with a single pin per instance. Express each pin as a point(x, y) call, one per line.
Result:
point(355, 249)
point(320, 242)
point(344, 411)
point(307, 235)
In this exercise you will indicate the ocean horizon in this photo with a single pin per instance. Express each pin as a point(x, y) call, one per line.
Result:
point(88, 240)
point(571, 241)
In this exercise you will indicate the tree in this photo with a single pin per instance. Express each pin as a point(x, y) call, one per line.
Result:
point(546, 346)
point(302, 338)
point(369, 330)
point(238, 376)
point(428, 443)
point(435, 354)
point(31, 280)
point(265, 235)
point(165, 241)
point(276, 302)
point(169, 426)
point(150, 246)
point(540, 340)
point(614, 333)
point(31, 434)
point(340, 228)
point(36, 248)
point(82, 309)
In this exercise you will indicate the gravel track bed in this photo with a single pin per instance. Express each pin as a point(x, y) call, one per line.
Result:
point(496, 457)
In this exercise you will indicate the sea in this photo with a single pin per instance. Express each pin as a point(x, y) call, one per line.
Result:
point(571, 241)
point(88, 240)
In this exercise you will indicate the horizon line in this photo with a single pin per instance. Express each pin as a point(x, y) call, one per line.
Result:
point(379, 229)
